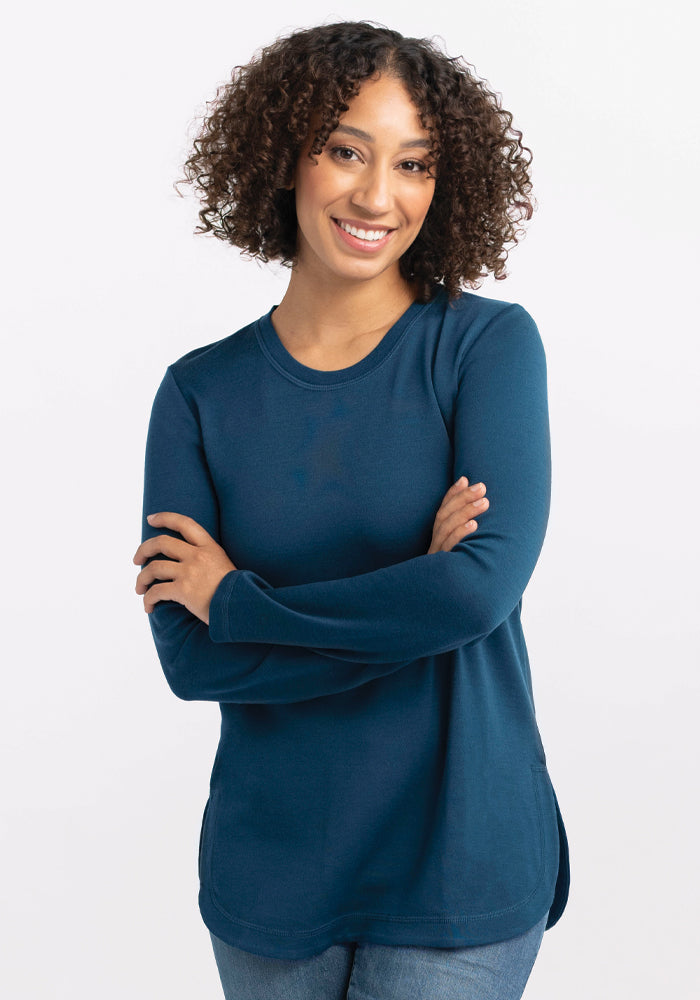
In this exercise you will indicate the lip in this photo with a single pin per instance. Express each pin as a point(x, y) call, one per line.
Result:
point(355, 242)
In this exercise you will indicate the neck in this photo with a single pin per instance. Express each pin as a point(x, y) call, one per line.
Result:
point(334, 312)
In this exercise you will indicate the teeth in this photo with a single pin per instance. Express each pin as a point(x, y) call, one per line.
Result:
point(372, 235)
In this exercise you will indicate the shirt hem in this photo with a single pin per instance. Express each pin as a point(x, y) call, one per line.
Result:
point(366, 928)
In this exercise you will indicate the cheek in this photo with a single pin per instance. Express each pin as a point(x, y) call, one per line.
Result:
point(304, 194)
point(317, 186)
point(421, 203)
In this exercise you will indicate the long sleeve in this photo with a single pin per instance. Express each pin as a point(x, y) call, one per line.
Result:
point(177, 478)
point(417, 791)
point(432, 603)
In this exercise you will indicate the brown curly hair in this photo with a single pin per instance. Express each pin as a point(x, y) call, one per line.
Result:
point(248, 145)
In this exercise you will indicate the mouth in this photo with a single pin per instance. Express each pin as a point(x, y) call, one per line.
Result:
point(362, 238)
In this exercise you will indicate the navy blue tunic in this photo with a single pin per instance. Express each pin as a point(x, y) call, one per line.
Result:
point(380, 775)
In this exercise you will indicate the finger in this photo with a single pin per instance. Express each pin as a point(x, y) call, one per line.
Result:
point(467, 496)
point(461, 484)
point(459, 522)
point(456, 490)
point(159, 592)
point(448, 540)
point(160, 544)
point(461, 532)
point(466, 513)
point(190, 529)
point(457, 525)
point(159, 569)
point(458, 500)
point(477, 506)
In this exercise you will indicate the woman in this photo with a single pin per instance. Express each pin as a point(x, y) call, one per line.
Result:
point(380, 821)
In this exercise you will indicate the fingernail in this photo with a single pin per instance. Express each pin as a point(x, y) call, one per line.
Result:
point(149, 516)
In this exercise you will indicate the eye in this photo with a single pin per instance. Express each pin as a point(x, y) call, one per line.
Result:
point(413, 167)
point(343, 153)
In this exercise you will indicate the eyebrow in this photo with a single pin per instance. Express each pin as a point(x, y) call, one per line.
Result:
point(409, 144)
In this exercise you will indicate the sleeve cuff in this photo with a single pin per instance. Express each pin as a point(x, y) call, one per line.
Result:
point(219, 623)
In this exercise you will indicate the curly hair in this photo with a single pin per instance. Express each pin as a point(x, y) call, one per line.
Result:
point(247, 148)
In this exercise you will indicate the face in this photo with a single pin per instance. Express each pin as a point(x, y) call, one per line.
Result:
point(363, 202)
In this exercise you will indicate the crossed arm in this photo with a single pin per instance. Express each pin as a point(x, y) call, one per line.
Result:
point(196, 564)
point(223, 633)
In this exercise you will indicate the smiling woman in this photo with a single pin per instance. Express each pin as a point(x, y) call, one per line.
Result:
point(359, 206)
point(371, 190)
point(288, 100)
point(314, 562)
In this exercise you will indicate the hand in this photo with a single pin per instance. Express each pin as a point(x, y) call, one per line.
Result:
point(200, 566)
point(454, 520)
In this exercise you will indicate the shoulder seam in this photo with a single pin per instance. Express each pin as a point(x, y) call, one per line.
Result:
point(501, 312)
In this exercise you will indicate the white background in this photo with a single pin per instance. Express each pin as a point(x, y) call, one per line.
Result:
point(105, 772)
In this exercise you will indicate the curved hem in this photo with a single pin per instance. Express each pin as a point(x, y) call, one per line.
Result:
point(366, 929)
point(548, 897)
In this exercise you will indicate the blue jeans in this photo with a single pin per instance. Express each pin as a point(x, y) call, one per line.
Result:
point(383, 972)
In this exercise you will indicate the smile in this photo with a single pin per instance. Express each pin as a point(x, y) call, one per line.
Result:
point(364, 234)
point(362, 238)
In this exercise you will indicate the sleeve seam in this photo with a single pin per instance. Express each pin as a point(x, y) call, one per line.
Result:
point(181, 393)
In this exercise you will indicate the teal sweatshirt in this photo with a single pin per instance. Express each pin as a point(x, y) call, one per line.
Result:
point(380, 775)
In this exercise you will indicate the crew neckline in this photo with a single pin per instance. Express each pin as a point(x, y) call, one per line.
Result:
point(280, 357)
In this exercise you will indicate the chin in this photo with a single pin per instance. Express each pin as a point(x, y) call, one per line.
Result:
point(363, 269)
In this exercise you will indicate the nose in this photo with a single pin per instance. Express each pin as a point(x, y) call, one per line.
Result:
point(373, 190)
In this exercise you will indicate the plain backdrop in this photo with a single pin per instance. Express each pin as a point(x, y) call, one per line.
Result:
point(105, 772)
